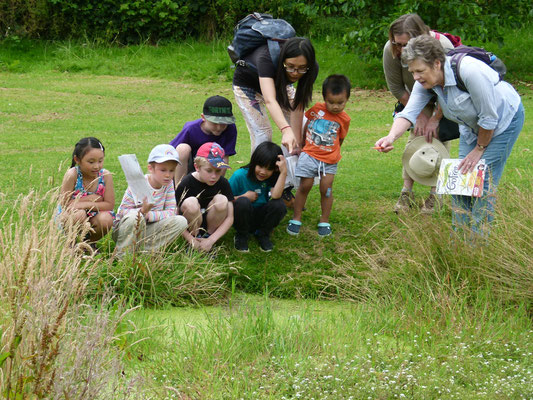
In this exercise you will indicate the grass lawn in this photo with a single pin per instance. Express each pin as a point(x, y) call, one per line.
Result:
point(431, 318)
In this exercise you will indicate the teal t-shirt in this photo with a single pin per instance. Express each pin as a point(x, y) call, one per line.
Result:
point(240, 184)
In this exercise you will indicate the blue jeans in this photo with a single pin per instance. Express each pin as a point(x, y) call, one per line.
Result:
point(475, 213)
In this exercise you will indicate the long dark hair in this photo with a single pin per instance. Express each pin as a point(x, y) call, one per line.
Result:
point(83, 147)
point(265, 155)
point(295, 47)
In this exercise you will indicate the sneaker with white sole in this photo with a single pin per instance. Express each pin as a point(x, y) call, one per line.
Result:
point(294, 227)
point(241, 242)
point(265, 243)
point(324, 229)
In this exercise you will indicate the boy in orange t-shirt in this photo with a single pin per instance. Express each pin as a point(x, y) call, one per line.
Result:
point(326, 127)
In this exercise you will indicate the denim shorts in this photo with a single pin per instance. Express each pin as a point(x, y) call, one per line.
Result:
point(309, 167)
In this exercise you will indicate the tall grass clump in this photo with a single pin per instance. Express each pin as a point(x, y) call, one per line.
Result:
point(171, 277)
point(54, 344)
point(425, 259)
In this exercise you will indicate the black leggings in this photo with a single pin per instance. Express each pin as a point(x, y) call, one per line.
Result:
point(248, 219)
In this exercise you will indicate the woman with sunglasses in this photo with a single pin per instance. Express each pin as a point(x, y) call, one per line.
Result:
point(400, 83)
point(259, 85)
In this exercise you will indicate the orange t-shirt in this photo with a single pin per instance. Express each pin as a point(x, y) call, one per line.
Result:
point(323, 133)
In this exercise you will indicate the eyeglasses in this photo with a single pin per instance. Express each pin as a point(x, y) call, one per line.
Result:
point(402, 45)
point(292, 70)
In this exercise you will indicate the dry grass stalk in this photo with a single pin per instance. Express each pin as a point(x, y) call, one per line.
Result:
point(54, 345)
point(427, 257)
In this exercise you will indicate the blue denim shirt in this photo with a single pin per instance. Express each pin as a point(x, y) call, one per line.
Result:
point(489, 102)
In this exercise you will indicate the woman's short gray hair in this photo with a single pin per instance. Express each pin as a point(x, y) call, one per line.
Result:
point(424, 48)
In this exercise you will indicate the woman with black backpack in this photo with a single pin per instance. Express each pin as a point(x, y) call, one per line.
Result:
point(260, 85)
point(400, 83)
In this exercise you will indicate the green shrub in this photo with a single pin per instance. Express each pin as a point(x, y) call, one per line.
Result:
point(362, 23)
point(479, 21)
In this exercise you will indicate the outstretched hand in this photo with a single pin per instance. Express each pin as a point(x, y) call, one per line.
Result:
point(384, 145)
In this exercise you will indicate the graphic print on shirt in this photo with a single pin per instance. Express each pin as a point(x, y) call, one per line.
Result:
point(322, 132)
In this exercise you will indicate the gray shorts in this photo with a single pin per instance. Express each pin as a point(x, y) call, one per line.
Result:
point(309, 167)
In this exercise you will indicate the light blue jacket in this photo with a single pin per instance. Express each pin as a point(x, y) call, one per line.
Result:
point(489, 102)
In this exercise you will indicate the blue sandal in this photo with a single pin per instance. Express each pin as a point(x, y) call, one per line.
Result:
point(324, 229)
point(294, 227)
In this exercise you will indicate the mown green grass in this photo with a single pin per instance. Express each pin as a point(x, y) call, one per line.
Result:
point(44, 114)
point(407, 274)
point(266, 349)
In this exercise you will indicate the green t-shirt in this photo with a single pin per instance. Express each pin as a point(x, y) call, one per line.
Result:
point(240, 184)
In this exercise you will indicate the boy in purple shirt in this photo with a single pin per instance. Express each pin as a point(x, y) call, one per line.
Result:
point(216, 125)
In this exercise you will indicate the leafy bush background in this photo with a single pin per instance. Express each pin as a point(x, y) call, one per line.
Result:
point(361, 24)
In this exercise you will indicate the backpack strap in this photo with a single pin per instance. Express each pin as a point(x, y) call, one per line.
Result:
point(455, 63)
point(274, 48)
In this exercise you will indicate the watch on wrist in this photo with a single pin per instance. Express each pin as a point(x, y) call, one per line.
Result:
point(481, 147)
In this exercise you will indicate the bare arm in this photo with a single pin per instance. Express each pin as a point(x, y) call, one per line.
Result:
point(67, 187)
point(250, 194)
point(296, 124)
point(405, 98)
point(468, 163)
point(97, 202)
point(268, 88)
point(207, 244)
point(277, 189)
point(398, 128)
point(430, 131)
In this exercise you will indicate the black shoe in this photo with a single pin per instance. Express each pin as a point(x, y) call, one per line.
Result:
point(241, 242)
point(265, 243)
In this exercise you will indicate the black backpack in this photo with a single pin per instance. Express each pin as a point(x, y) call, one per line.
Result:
point(481, 54)
point(255, 30)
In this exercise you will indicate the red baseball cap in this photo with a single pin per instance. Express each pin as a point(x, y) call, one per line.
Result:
point(213, 153)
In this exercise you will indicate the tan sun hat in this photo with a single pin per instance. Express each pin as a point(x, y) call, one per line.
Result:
point(422, 160)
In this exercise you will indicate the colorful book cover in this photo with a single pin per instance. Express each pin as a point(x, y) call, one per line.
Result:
point(451, 181)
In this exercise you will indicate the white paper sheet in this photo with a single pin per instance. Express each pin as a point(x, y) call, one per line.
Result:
point(136, 180)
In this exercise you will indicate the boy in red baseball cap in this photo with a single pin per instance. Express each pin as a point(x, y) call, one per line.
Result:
point(204, 197)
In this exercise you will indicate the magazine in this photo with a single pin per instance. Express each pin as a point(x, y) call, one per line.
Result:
point(451, 181)
point(136, 180)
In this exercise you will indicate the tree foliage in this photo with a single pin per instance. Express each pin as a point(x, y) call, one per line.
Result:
point(362, 24)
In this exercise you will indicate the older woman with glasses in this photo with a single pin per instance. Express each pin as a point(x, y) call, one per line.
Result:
point(400, 83)
point(259, 85)
point(490, 115)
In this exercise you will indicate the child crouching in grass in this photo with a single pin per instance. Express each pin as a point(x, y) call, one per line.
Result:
point(152, 225)
point(87, 192)
point(257, 188)
point(326, 127)
point(204, 197)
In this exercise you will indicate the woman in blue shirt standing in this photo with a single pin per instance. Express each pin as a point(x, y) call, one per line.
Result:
point(490, 115)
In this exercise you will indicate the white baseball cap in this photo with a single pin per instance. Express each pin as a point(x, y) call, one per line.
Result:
point(162, 153)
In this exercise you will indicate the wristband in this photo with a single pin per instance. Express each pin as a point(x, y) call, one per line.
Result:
point(285, 127)
point(481, 147)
